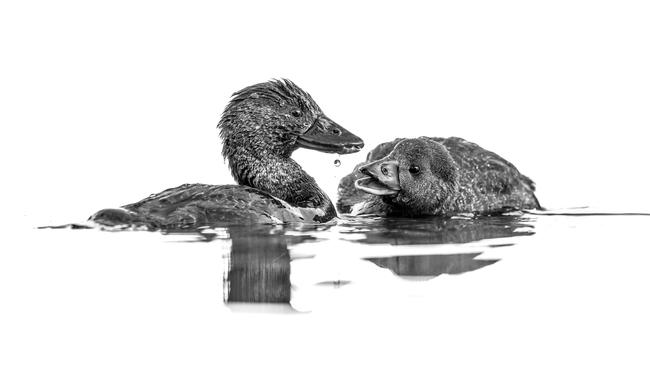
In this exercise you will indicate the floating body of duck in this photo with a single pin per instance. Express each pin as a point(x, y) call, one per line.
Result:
point(434, 176)
point(261, 127)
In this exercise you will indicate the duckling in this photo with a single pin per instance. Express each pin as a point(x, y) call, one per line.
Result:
point(434, 176)
point(260, 128)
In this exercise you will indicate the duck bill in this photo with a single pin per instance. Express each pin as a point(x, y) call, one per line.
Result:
point(328, 136)
point(382, 178)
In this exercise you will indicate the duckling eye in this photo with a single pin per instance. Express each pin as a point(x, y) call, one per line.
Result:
point(297, 113)
point(414, 169)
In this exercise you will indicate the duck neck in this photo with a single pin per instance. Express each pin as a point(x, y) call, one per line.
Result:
point(283, 178)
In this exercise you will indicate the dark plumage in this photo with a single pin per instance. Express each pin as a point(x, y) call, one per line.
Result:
point(261, 127)
point(434, 176)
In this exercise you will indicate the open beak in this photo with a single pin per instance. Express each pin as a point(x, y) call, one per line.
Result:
point(382, 178)
point(328, 136)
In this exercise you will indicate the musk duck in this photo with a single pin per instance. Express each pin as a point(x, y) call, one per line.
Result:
point(260, 128)
point(434, 176)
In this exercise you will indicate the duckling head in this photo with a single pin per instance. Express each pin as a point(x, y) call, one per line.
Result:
point(414, 179)
point(277, 117)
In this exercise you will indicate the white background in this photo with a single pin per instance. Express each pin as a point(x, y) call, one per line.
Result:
point(102, 104)
point(105, 103)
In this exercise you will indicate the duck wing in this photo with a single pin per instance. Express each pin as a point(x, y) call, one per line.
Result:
point(190, 206)
point(487, 173)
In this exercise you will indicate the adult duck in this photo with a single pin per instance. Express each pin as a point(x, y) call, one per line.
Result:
point(434, 176)
point(260, 128)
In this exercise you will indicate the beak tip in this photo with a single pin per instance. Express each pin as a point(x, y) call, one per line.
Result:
point(328, 136)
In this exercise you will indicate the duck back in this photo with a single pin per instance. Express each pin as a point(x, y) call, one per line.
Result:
point(487, 182)
point(195, 205)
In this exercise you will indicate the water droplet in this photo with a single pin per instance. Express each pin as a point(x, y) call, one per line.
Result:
point(337, 163)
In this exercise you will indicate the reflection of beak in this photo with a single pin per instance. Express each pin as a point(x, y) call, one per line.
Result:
point(382, 178)
point(328, 136)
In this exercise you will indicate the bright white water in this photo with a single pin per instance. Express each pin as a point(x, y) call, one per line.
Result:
point(529, 289)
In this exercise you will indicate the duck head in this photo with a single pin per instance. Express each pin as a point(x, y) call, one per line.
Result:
point(415, 178)
point(276, 118)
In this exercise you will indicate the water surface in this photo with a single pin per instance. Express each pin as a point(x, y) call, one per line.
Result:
point(572, 282)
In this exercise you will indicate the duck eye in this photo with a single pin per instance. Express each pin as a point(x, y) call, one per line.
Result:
point(414, 169)
point(297, 113)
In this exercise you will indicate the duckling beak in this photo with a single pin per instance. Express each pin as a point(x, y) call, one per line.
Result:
point(382, 178)
point(328, 136)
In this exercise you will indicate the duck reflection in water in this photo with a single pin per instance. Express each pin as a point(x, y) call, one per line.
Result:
point(259, 260)
point(429, 266)
point(435, 231)
point(259, 266)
